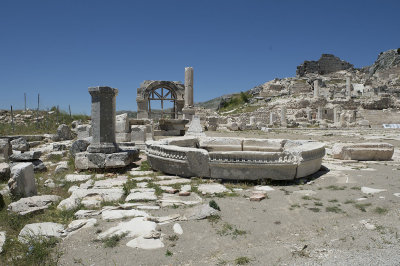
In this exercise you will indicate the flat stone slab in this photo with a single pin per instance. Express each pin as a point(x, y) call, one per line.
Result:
point(140, 194)
point(111, 182)
point(200, 212)
point(212, 188)
point(264, 188)
point(143, 243)
point(32, 204)
point(76, 225)
point(257, 197)
point(40, 230)
point(363, 151)
point(136, 227)
point(174, 199)
point(177, 229)
point(77, 178)
point(140, 173)
point(368, 190)
point(172, 182)
point(304, 192)
point(119, 214)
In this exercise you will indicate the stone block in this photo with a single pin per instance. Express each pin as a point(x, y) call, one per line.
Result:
point(22, 181)
point(123, 137)
point(122, 123)
point(4, 171)
point(79, 145)
point(25, 156)
point(265, 145)
point(138, 134)
point(363, 151)
point(5, 150)
point(19, 144)
point(86, 160)
point(64, 132)
point(84, 131)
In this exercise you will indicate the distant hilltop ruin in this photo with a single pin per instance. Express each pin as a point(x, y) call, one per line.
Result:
point(328, 63)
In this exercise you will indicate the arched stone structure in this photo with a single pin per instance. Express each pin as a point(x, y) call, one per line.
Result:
point(175, 91)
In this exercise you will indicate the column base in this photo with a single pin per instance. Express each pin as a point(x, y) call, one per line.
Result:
point(102, 148)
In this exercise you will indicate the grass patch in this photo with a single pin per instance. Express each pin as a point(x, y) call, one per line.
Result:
point(318, 203)
point(294, 206)
point(334, 187)
point(228, 229)
point(334, 209)
point(349, 202)
point(242, 261)
point(130, 184)
point(361, 206)
point(213, 219)
point(333, 200)
point(111, 242)
point(145, 166)
point(380, 210)
point(173, 238)
point(168, 253)
point(314, 209)
point(158, 190)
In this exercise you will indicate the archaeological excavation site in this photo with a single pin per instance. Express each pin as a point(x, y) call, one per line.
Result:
point(298, 170)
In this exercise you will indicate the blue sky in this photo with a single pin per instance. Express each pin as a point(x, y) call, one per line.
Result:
point(60, 48)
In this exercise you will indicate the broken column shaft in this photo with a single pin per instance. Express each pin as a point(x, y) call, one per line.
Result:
point(188, 86)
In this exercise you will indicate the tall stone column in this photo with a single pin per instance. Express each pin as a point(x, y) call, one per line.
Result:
point(336, 115)
point(188, 86)
point(348, 88)
point(271, 118)
point(308, 111)
point(319, 113)
point(103, 120)
point(283, 116)
point(316, 89)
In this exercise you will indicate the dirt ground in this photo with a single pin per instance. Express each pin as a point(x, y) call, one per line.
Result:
point(325, 219)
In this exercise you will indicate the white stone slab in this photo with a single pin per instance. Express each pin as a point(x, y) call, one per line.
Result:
point(119, 214)
point(368, 190)
point(77, 178)
point(144, 243)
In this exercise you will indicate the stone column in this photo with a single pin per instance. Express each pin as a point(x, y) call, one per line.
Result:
point(348, 88)
point(103, 120)
point(188, 86)
point(309, 118)
point(283, 117)
point(319, 113)
point(252, 120)
point(316, 89)
point(335, 115)
point(343, 119)
point(271, 118)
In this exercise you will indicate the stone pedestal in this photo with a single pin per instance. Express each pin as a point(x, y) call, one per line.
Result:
point(103, 119)
point(188, 113)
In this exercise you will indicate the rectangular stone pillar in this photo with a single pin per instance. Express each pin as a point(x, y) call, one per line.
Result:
point(188, 86)
point(319, 113)
point(309, 118)
point(348, 88)
point(103, 120)
point(336, 115)
point(316, 89)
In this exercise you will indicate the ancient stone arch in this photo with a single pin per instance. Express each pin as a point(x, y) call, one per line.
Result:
point(160, 90)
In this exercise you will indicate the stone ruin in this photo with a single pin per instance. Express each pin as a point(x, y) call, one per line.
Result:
point(328, 63)
point(103, 151)
point(235, 158)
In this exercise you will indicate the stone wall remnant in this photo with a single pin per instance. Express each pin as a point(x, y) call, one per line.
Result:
point(328, 63)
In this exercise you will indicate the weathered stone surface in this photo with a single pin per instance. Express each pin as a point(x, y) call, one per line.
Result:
point(363, 151)
point(141, 194)
point(122, 123)
point(19, 144)
point(212, 188)
point(2, 240)
point(32, 204)
point(134, 228)
point(70, 203)
point(103, 120)
point(25, 156)
point(119, 214)
point(59, 147)
point(79, 145)
point(195, 128)
point(84, 131)
point(200, 212)
point(257, 197)
point(5, 150)
point(22, 181)
point(76, 225)
point(77, 178)
point(140, 173)
point(61, 167)
point(138, 134)
point(40, 230)
point(4, 171)
point(86, 160)
point(64, 132)
point(111, 182)
point(39, 166)
point(123, 137)
point(177, 229)
point(368, 190)
point(174, 199)
point(145, 243)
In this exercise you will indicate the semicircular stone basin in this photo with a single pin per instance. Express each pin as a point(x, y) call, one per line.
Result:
point(235, 158)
